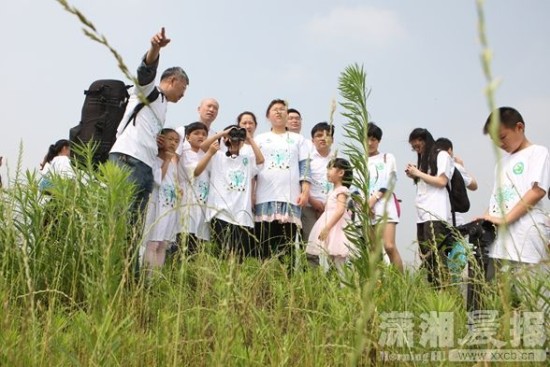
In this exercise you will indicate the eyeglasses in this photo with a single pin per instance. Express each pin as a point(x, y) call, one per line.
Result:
point(278, 110)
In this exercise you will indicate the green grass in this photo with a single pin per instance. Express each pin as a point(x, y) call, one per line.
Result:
point(68, 296)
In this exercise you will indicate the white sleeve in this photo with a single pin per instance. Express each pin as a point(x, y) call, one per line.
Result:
point(157, 172)
point(392, 169)
point(61, 165)
point(465, 175)
point(540, 172)
point(444, 164)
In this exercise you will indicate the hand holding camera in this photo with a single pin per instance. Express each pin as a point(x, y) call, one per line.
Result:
point(237, 134)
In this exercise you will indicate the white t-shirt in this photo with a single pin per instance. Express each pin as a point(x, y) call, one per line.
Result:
point(162, 218)
point(432, 203)
point(383, 174)
point(230, 191)
point(526, 239)
point(279, 178)
point(320, 186)
point(195, 195)
point(60, 165)
point(139, 140)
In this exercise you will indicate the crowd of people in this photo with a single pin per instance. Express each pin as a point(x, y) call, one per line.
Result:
point(267, 195)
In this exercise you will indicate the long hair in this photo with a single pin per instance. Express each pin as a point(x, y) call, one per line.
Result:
point(54, 150)
point(424, 135)
point(344, 165)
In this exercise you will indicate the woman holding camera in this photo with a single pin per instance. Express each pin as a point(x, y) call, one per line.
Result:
point(282, 187)
point(229, 206)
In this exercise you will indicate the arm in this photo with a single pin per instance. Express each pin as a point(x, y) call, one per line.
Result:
point(338, 213)
point(530, 199)
point(375, 197)
point(201, 166)
point(472, 186)
point(304, 195)
point(205, 146)
point(147, 71)
point(437, 181)
point(256, 149)
point(317, 205)
point(166, 159)
point(305, 178)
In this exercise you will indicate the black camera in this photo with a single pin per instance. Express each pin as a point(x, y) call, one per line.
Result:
point(237, 134)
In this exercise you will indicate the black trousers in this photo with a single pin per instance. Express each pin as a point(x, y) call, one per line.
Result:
point(232, 238)
point(431, 236)
point(276, 239)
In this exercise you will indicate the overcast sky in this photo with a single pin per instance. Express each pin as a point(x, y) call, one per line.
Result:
point(421, 57)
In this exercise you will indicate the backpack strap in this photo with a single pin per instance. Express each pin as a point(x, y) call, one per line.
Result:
point(155, 93)
point(453, 213)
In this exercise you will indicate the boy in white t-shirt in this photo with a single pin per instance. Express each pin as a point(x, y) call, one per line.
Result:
point(229, 208)
point(195, 189)
point(469, 180)
point(516, 206)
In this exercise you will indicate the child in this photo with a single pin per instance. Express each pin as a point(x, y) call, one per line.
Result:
point(229, 208)
point(56, 162)
point(327, 236)
point(382, 177)
point(433, 205)
point(161, 223)
point(516, 204)
point(193, 209)
point(469, 180)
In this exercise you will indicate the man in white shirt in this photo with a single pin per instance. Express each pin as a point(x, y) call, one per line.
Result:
point(322, 136)
point(136, 147)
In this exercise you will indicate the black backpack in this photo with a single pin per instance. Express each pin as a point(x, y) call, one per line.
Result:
point(102, 111)
point(458, 194)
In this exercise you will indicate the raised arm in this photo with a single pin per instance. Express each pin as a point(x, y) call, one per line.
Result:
point(255, 148)
point(211, 139)
point(203, 163)
point(147, 71)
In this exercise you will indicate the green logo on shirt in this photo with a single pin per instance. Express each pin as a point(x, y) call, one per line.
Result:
point(380, 166)
point(518, 168)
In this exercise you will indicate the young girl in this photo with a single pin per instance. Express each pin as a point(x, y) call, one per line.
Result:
point(56, 162)
point(433, 206)
point(161, 223)
point(327, 236)
point(229, 208)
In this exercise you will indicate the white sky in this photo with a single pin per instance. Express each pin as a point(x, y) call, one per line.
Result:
point(421, 57)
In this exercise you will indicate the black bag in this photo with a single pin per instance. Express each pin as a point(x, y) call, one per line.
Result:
point(103, 108)
point(458, 194)
point(102, 112)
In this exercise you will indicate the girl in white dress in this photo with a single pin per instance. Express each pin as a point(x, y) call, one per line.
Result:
point(161, 223)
